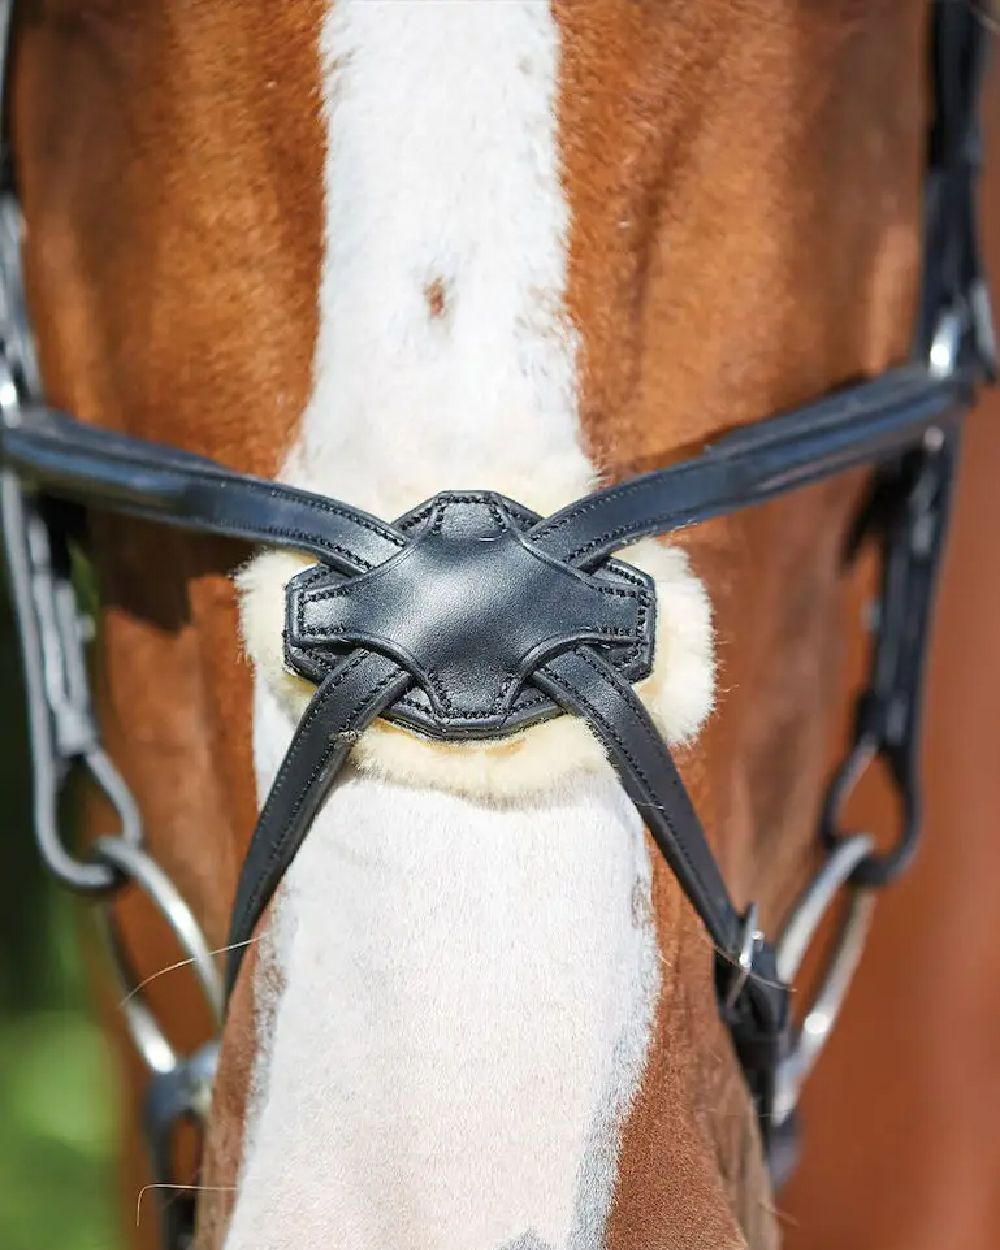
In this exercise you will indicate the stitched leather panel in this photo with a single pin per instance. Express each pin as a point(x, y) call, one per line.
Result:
point(470, 608)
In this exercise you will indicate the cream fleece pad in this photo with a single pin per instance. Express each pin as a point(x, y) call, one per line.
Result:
point(678, 692)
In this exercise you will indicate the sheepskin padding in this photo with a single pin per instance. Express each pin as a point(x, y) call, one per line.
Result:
point(678, 693)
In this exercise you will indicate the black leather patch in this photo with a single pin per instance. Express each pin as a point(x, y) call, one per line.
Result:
point(470, 607)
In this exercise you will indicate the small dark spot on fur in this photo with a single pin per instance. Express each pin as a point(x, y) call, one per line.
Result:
point(437, 298)
point(640, 905)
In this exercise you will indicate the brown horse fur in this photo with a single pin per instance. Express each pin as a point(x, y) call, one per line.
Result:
point(744, 184)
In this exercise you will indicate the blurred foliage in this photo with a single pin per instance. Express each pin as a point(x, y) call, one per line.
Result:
point(57, 1093)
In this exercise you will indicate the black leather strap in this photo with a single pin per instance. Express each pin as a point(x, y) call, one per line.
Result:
point(144, 479)
point(953, 277)
point(348, 700)
point(584, 684)
point(858, 425)
point(855, 426)
point(754, 999)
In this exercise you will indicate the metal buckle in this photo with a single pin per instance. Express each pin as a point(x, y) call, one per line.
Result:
point(15, 327)
point(965, 331)
point(742, 966)
point(64, 736)
point(811, 1035)
point(942, 358)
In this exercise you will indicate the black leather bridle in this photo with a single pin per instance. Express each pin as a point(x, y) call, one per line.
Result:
point(472, 617)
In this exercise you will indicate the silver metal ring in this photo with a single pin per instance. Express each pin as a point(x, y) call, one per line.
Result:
point(132, 863)
point(943, 354)
point(791, 948)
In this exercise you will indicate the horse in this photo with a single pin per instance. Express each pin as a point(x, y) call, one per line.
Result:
point(380, 250)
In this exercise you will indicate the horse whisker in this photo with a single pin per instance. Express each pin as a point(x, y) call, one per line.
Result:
point(183, 963)
point(189, 1188)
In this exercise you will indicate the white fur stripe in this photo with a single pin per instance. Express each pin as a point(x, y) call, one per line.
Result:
point(468, 1008)
point(443, 168)
point(469, 989)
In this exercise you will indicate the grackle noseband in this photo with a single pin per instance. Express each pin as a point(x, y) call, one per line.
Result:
point(423, 623)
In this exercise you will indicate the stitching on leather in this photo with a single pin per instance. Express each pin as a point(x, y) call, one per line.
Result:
point(275, 531)
point(453, 713)
point(343, 590)
point(314, 710)
point(637, 768)
point(466, 497)
point(270, 490)
point(315, 503)
point(224, 518)
point(622, 531)
point(523, 702)
point(673, 780)
point(619, 632)
point(608, 497)
point(629, 662)
point(458, 712)
point(858, 403)
point(249, 908)
point(434, 679)
point(299, 743)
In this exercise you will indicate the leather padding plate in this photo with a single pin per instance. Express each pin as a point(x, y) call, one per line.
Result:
point(470, 607)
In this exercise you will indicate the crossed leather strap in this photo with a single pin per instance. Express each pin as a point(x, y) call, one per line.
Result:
point(472, 617)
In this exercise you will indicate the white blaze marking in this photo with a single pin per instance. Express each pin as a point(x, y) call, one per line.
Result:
point(469, 991)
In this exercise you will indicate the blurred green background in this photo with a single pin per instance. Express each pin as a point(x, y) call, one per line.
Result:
point(57, 1093)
